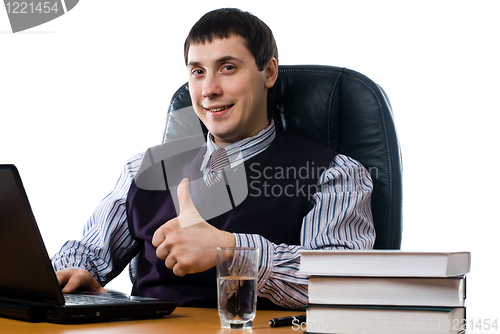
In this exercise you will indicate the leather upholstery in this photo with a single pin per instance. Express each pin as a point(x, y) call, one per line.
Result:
point(343, 110)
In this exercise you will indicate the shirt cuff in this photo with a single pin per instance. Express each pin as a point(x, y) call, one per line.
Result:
point(266, 255)
point(68, 257)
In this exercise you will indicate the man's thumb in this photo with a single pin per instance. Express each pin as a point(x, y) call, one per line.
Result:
point(188, 214)
point(185, 201)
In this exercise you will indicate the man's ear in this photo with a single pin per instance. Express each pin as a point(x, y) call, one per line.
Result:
point(271, 72)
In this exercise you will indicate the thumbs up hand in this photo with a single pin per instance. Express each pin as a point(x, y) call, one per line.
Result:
point(187, 243)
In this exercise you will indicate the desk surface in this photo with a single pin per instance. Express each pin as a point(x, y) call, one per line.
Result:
point(182, 320)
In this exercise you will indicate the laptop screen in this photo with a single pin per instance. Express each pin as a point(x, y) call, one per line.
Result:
point(25, 268)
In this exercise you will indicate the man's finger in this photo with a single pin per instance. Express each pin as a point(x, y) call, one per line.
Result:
point(185, 202)
point(73, 283)
point(64, 275)
point(80, 279)
point(158, 237)
point(188, 214)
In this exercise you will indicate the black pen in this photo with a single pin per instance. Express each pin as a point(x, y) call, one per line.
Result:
point(287, 321)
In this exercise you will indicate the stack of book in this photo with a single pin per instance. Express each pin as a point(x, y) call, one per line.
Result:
point(385, 291)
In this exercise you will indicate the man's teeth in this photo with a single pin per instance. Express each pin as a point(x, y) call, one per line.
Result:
point(218, 109)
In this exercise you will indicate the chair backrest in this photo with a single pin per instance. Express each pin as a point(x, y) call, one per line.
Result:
point(343, 110)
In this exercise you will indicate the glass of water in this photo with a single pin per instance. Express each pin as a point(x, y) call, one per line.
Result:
point(237, 273)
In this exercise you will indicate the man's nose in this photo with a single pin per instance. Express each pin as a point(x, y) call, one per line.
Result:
point(211, 86)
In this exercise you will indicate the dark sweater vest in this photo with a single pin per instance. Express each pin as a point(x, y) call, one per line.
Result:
point(281, 181)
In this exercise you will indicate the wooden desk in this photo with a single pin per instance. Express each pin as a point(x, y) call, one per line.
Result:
point(183, 320)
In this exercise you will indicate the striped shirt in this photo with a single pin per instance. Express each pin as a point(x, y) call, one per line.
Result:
point(341, 218)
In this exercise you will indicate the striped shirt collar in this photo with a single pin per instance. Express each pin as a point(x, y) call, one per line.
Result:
point(240, 151)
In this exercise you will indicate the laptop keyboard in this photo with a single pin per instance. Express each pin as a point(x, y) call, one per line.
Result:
point(86, 299)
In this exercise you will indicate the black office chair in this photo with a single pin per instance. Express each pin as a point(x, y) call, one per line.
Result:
point(340, 109)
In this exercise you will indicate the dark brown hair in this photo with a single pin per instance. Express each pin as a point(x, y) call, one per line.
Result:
point(225, 22)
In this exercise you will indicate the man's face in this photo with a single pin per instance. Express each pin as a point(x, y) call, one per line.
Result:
point(228, 92)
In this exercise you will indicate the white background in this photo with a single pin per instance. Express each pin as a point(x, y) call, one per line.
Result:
point(83, 93)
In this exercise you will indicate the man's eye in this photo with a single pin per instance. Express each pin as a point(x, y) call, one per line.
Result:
point(228, 68)
point(197, 72)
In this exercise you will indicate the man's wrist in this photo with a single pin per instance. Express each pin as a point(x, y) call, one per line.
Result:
point(229, 240)
point(266, 254)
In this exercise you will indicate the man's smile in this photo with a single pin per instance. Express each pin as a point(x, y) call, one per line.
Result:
point(218, 109)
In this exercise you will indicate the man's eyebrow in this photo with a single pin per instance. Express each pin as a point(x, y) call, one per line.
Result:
point(217, 61)
point(194, 64)
point(227, 58)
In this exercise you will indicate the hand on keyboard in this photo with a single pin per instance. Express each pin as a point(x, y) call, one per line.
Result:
point(71, 279)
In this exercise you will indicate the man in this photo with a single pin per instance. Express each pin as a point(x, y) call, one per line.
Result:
point(232, 61)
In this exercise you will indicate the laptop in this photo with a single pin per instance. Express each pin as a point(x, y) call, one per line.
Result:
point(29, 289)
